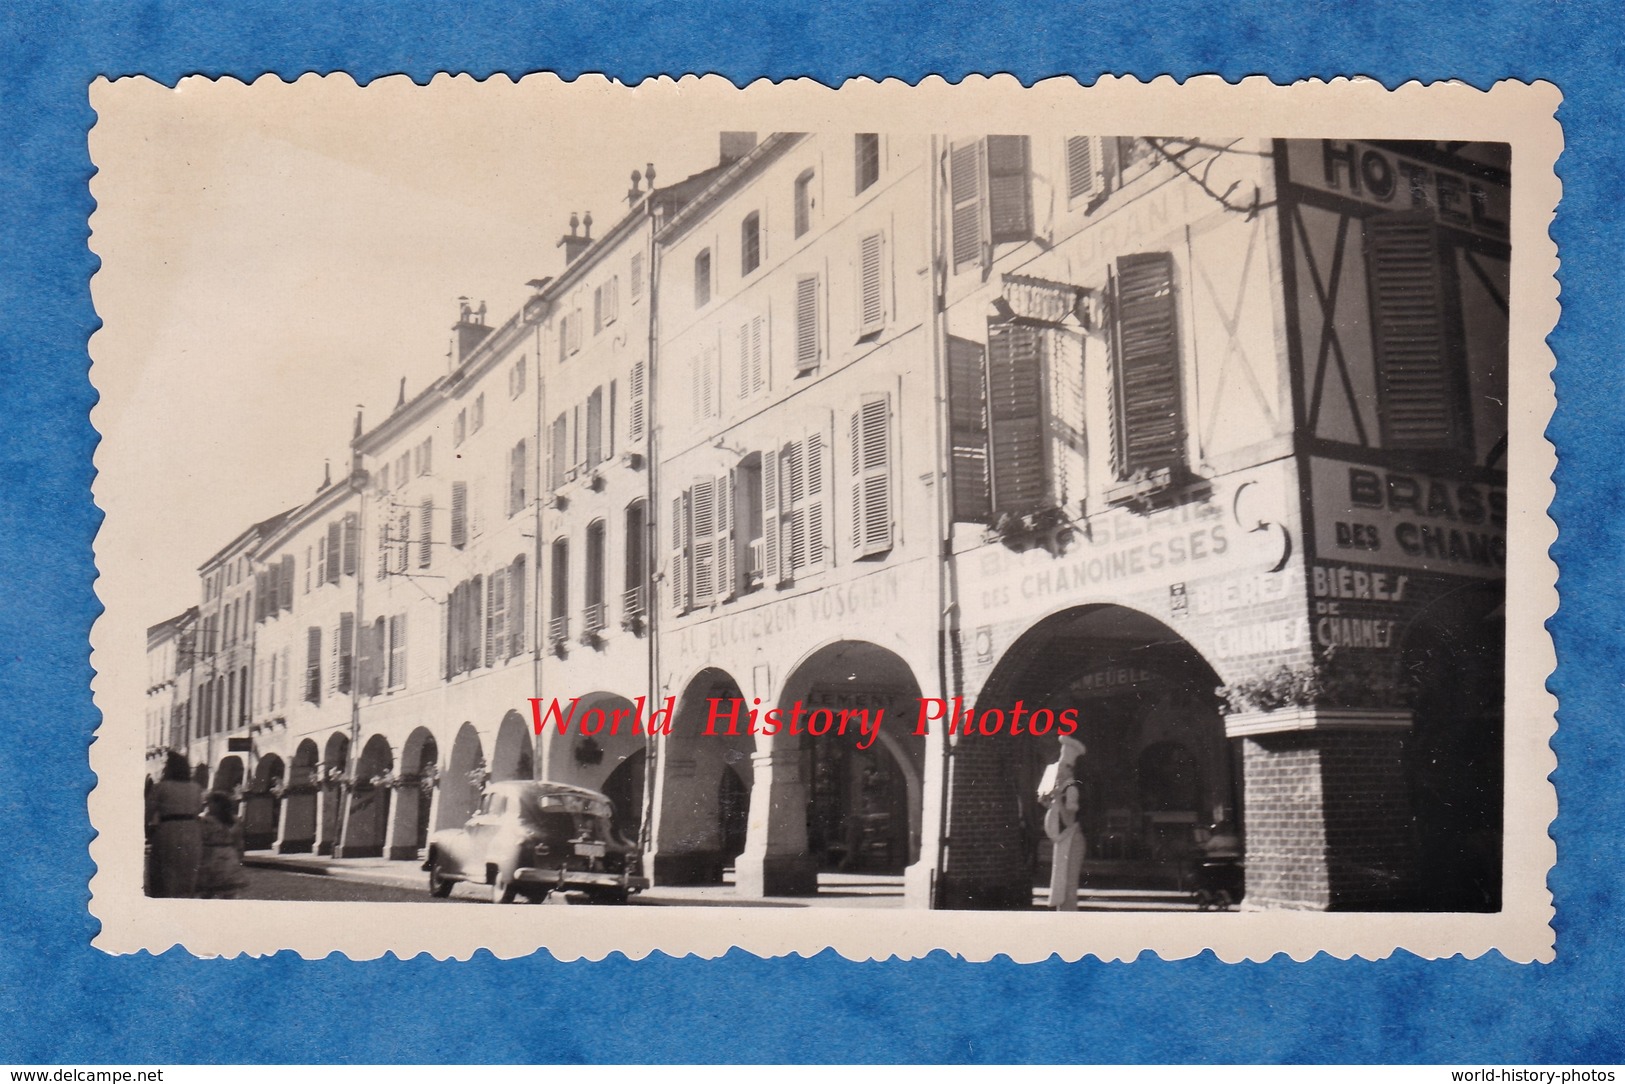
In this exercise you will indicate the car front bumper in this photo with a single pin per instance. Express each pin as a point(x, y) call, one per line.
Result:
point(575, 878)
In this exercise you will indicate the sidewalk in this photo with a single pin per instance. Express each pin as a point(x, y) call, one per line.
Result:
point(834, 889)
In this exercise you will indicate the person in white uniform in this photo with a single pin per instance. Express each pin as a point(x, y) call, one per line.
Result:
point(1061, 795)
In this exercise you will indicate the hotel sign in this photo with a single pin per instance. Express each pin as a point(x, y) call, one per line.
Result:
point(1396, 182)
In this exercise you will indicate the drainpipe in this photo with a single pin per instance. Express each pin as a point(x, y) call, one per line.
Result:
point(651, 602)
point(947, 580)
point(353, 758)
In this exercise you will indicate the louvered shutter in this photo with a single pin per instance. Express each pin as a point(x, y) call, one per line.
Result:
point(793, 492)
point(346, 651)
point(1009, 188)
point(403, 540)
point(967, 418)
point(871, 476)
point(744, 360)
point(1082, 166)
point(871, 295)
point(334, 650)
point(1149, 427)
point(285, 588)
point(702, 512)
point(366, 660)
point(816, 465)
point(516, 478)
point(428, 442)
point(770, 517)
point(758, 354)
point(282, 681)
point(678, 556)
point(1015, 417)
point(426, 533)
point(595, 428)
point(637, 407)
point(807, 338)
point(350, 543)
point(965, 185)
point(725, 576)
point(321, 559)
point(496, 617)
point(516, 607)
point(476, 508)
point(335, 550)
point(1419, 393)
point(313, 664)
point(259, 597)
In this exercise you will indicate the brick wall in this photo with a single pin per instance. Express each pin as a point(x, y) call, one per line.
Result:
point(985, 861)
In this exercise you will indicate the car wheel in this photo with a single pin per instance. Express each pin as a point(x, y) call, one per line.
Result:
point(439, 885)
point(609, 895)
point(503, 890)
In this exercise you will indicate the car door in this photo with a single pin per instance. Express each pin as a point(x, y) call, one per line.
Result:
point(482, 827)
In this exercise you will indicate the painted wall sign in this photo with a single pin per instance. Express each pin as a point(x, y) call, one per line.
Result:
point(1401, 519)
point(1396, 182)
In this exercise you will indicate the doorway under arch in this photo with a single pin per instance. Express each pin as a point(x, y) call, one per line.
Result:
point(367, 820)
point(463, 781)
point(414, 800)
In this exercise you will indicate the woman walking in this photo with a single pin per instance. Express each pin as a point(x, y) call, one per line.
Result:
point(177, 835)
point(221, 874)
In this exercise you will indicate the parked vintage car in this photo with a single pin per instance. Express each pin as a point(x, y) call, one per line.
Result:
point(532, 838)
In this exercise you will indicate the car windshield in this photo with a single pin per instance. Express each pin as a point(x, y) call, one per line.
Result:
point(535, 806)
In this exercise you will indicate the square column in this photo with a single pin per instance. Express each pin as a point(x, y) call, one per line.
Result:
point(776, 862)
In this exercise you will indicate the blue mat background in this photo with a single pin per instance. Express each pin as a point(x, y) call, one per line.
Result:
point(63, 1002)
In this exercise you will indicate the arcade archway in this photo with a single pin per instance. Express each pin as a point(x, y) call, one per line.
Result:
point(335, 762)
point(463, 781)
point(1159, 777)
point(262, 805)
point(511, 755)
point(601, 754)
point(414, 799)
point(298, 834)
point(367, 820)
point(701, 811)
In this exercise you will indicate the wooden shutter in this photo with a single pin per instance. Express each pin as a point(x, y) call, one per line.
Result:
point(807, 338)
point(350, 543)
point(334, 650)
point(793, 492)
point(496, 617)
point(816, 465)
point(428, 442)
point(313, 664)
point(1148, 423)
point(1009, 188)
point(637, 407)
point(403, 540)
point(321, 559)
point(259, 598)
point(346, 638)
point(679, 554)
point(871, 476)
point(595, 428)
point(724, 535)
point(1015, 404)
point(1083, 162)
point(334, 551)
point(967, 419)
point(871, 294)
point(426, 533)
point(1419, 393)
point(743, 372)
point(770, 516)
point(702, 513)
point(366, 656)
point(282, 681)
point(476, 508)
point(965, 186)
point(516, 606)
point(285, 588)
point(516, 477)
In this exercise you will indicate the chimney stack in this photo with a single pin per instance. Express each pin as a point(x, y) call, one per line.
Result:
point(575, 244)
point(735, 145)
point(467, 333)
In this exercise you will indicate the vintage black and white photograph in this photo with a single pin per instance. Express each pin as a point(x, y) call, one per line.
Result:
point(887, 518)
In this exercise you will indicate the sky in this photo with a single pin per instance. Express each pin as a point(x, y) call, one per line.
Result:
point(275, 255)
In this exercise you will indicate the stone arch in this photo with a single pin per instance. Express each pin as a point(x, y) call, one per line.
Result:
point(262, 806)
point(462, 783)
point(698, 816)
point(512, 754)
point(330, 794)
point(1143, 703)
point(414, 798)
point(297, 834)
point(228, 774)
point(367, 819)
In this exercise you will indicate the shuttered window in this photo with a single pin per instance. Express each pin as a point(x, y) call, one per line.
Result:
point(313, 664)
point(1083, 154)
point(285, 585)
point(366, 662)
point(593, 617)
point(710, 540)
point(803, 493)
point(750, 243)
point(871, 476)
point(679, 553)
point(459, 514)
point(965, 186)
point(636, 407)
point(403, 540)
point(397, 651)
point(752, 357)
point(808, 340)
point(702, 279)
point(496, 617)
point(1421, 397)
point(967, 417)
point(516, 606)
point(558, 452)
point(595, 428)
point(345, 640)
point(1015, 406)
point(636, 280)
point(871, 282)
point(1009, 188)
point(559, 613)
point(518, 477)
point(426, 533)
point(1148, 423)
point(351, 531)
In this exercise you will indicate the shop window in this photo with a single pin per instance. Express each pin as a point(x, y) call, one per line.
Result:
point(872, 510)
point(750, 243)
point(1420, 379)
point(866, 167)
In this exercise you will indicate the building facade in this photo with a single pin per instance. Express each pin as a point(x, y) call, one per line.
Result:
point(876, 457)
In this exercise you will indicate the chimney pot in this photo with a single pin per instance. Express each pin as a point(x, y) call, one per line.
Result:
point(587, 223)
point(575, 223)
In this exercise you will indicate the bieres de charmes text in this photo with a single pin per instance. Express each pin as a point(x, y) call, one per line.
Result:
point(731, 717)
